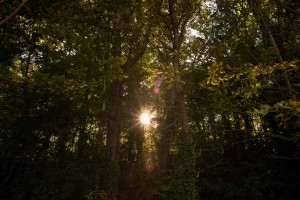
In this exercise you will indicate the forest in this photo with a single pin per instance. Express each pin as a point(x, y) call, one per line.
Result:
point(149, 99)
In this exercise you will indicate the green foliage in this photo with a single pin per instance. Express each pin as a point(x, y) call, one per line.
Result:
point(182, 184)
point(112, 176)
point(115, 70)
point(245, 85)
point(59, 61)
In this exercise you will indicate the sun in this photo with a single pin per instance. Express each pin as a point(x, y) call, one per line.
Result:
point(145, 118)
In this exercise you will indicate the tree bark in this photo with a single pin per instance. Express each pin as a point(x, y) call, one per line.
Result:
point(114, 118)
point(82, 138)
point(114, 121)
point(167, 132)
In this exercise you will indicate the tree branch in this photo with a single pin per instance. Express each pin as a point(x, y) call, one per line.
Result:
point(274, 44)
point(279, 3)
point(13, 13)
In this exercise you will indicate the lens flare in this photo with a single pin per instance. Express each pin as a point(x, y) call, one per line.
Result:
point(156, 90)
point(145, 118)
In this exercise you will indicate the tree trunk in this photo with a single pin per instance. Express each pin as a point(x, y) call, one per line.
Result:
point(265, 26)
point(185, 156)
point(114, 121)
point(82, 138)
point(114, 118)
point(168, 129)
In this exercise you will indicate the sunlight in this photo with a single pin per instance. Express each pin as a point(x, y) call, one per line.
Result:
point(145, 118)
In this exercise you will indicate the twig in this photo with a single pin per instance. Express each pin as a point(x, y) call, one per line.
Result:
point(14, 12)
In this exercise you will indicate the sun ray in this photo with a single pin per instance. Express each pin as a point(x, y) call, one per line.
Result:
point(145, 118)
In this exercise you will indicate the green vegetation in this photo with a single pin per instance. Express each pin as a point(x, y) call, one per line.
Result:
point(219, 79)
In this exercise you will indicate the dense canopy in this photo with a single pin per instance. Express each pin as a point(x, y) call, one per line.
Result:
point(149, 99)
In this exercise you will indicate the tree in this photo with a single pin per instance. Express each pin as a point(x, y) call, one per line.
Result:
point(219, 78)
point(173, 19)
